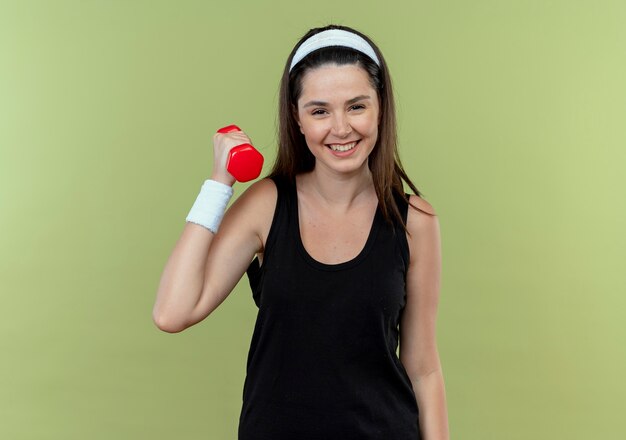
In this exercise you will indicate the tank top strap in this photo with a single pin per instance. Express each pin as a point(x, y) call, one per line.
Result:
point(399, 232)
point(282, 212)
point(290, 197)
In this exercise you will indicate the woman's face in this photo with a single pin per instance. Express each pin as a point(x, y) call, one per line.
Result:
point(338, 114)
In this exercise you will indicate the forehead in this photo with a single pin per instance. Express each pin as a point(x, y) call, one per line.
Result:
point(335, 82)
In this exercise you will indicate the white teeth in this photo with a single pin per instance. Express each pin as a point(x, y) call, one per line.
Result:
point(345, 147)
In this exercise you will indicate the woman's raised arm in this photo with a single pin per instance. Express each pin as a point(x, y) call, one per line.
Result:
point(204, 267)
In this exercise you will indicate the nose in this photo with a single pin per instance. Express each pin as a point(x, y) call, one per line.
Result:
point(341, 125)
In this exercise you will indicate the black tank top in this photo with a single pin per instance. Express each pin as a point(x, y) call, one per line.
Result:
point(322, 362)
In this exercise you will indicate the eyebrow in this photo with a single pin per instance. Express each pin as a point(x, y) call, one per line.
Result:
point(349, 101)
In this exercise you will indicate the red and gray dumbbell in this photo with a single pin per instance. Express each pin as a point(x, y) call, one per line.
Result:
point(244, 161)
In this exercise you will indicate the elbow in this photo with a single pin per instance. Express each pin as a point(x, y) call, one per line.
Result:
point(166, 325)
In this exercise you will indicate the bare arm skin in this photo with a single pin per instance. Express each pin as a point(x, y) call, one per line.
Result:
point(204, 268)
point(418, 345)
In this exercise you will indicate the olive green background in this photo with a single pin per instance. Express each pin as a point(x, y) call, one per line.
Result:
point(511, 119)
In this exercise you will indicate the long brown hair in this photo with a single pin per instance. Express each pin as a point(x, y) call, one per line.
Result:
point(294, 156)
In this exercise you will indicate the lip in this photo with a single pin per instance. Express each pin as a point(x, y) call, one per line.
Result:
point(344, 153)
point(345, 143)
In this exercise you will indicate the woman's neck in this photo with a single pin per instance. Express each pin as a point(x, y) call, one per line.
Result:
point(338, 190)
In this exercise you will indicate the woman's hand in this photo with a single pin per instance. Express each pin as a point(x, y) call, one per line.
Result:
point(222, 144)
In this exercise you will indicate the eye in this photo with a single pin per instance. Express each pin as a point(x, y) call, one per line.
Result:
point(319, 111)
point(358, 107)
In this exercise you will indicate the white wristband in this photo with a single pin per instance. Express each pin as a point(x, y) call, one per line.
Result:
point(210, 205)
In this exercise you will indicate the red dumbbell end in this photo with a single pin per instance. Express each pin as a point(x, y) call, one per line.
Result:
point(228, 129)
point(245, 163)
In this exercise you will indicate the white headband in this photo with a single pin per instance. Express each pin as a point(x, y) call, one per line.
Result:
point(333, 37)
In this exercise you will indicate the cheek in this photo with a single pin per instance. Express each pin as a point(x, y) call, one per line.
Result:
point(312, 131)
point(370, 127)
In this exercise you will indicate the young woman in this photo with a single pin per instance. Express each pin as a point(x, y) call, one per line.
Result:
point(343, 264)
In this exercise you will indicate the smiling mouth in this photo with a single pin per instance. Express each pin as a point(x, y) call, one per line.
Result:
point(344, 147)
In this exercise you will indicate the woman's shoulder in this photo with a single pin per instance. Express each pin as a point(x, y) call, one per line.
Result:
point(422, 225)
point(419, 205)
point(261, 192)
point(255, 207)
